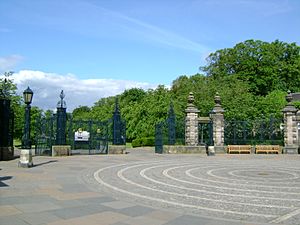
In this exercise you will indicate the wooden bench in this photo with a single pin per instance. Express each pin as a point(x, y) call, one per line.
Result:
point(239, 149)
point(267, 149)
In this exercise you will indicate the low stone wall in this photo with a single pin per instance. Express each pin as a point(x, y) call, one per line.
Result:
point(220, 149)
point(61, 150)
point(290, 150)
point(6, 153)
point(184, 149)
point(116, 149)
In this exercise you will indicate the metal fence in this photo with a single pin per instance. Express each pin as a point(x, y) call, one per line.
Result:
point(252, 132)
point(84, 136)
point(169, 132)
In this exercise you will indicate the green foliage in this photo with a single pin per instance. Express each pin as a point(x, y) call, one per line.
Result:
point(297, 104)
point(272, 104)
point(103, 109)
point(144, 141)
point(136, 143)
point(36, 114)
point(82, 112)
point(264, 66)
point(133, 95)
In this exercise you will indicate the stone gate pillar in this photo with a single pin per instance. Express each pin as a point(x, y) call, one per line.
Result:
point(217, 117)
point(290, 127)
point(191, 122)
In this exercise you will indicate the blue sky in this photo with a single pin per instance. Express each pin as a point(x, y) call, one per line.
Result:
point(145, 43)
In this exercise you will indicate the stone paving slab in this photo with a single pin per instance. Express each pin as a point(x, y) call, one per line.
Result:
point(65, 191)
point(38, 218)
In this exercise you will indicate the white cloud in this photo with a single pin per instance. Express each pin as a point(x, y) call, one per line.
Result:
point(47, 87)
point(9, 62)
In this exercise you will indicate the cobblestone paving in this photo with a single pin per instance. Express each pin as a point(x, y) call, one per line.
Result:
point(145, 188)
point(258, 189)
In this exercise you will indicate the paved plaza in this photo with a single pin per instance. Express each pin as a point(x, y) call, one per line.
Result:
point(143, 188)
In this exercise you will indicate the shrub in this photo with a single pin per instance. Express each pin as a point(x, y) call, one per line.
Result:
point(145, 141)
point(136, 143)
point(148, 141)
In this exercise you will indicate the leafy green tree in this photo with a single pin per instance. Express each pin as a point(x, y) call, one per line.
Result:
point(35, 114)
point(132, 95)
point(82, 112)
point(144, 112)
point(272, 104)
point(103, 109)
point(264, 66)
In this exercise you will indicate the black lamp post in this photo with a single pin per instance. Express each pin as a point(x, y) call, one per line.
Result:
point(27, 94)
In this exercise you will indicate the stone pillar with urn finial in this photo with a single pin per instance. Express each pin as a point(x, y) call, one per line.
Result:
point(290, 127)
point(217, 117)
point(191, 122)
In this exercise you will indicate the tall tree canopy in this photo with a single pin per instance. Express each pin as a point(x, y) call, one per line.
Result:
point(265, 66)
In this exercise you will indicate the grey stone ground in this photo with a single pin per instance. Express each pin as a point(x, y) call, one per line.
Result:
point(144, 188)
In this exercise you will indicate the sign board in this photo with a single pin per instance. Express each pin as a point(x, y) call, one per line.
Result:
point(82, 135)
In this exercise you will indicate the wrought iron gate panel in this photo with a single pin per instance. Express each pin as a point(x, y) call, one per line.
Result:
point(260, 131)
point(45, 135)
point(97, 140)
point(205, 133)
point(169, 132)
point(180, 132)
point(99, 137)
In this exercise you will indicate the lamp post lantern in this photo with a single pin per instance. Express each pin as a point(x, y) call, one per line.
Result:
point(27, 94)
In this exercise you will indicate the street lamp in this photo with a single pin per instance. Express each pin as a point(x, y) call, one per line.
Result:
point(27, 94)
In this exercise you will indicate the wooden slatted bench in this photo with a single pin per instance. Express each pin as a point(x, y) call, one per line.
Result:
point(267, 149)
point(239, 149)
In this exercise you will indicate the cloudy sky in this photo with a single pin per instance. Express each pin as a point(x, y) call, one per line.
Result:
point(99, 48)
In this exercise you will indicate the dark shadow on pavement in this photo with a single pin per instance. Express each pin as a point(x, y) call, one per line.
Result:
point(3, 179)
point(43, 163)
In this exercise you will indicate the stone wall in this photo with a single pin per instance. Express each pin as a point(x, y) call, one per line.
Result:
point(116, 149)
point(183, 149)
point(61, 150)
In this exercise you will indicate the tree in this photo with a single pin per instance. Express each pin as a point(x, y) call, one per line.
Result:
point(133, 95)
point(82, 112)
point(264, 66)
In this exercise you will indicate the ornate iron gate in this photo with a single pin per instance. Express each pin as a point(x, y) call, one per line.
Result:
point(169, 132)
point(205, 131)
point(260, 131)
point(44, 135)
point(99, 136)
point(89, 136)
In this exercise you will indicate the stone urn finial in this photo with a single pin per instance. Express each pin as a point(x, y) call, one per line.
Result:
point(191, 99)
point(289, 97)
point(217, 99)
